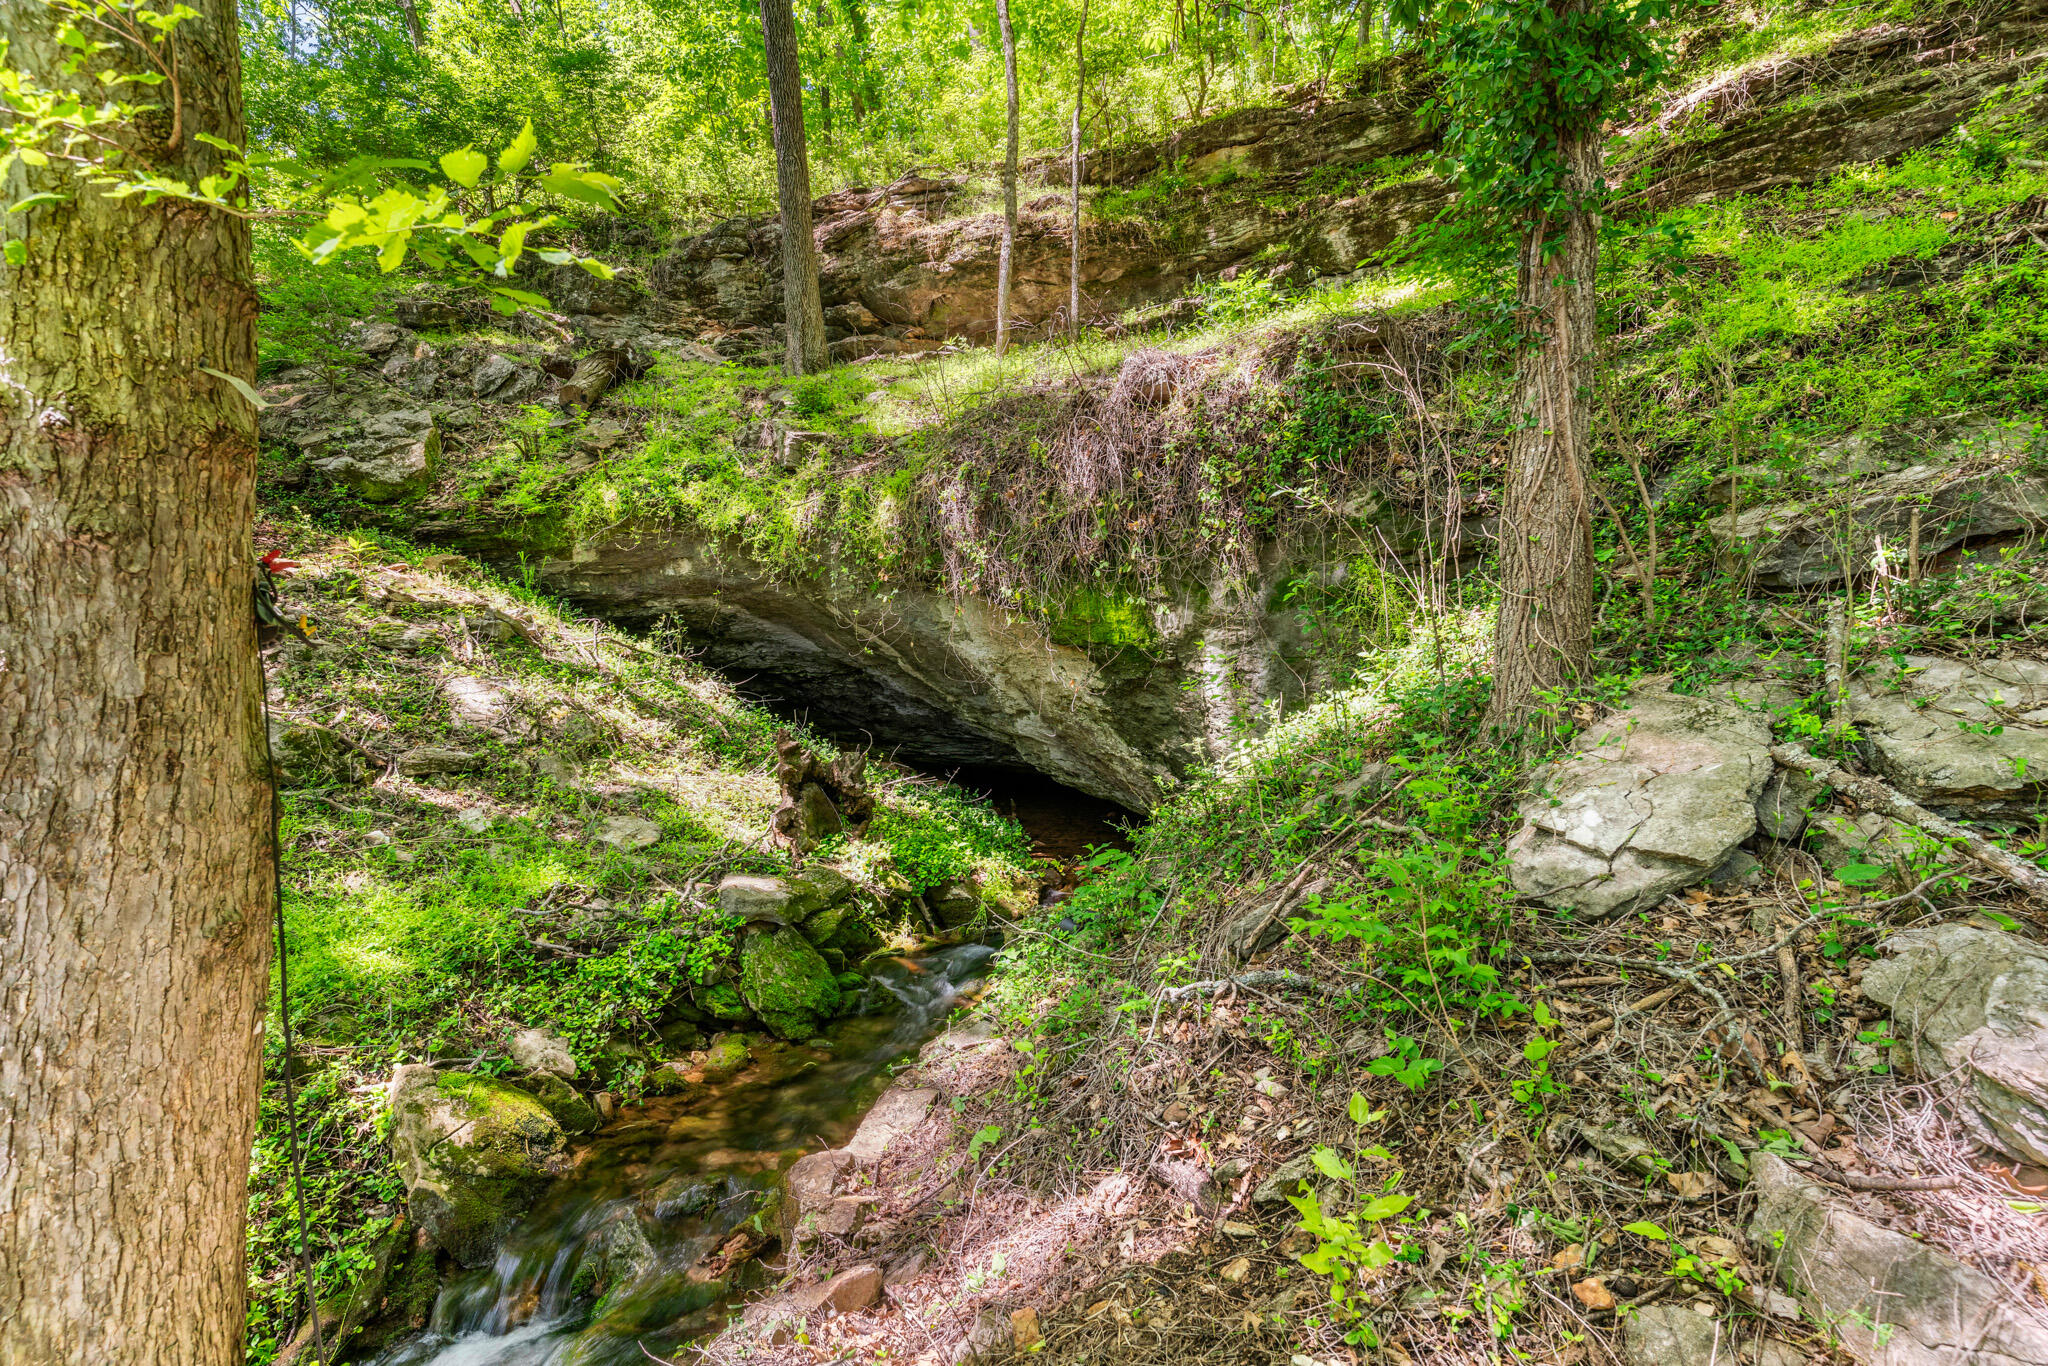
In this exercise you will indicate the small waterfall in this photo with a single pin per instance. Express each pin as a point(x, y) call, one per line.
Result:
point(655, 1197)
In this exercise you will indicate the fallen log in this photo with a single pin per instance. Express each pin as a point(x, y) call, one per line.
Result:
point(1876, 796)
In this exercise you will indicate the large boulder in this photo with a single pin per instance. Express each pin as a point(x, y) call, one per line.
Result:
point(473, 1153)
point(393, 455)
point(756, 900)
point(787, 983)
point(1890, 1298)
point(1952, 734)
point(1974, 1003)
point(1655, 797)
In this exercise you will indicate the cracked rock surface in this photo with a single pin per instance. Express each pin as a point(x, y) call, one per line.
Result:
point(1952, 734)
point(1655, 797)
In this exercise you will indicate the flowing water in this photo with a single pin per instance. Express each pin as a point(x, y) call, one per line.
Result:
point(655, 1196)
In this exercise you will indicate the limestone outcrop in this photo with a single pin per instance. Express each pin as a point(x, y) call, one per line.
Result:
point(1954, 735)
point(1655, 797)
point(1889, 1297)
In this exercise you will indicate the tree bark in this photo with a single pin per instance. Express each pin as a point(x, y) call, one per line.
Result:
point(1074, 261)
point(803, 311)
point(1543, 639)
point(135, 850)
point(1005, 261)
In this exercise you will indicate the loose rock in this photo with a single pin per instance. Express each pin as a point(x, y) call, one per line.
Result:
point(1974, 1002)
point(1657, 797)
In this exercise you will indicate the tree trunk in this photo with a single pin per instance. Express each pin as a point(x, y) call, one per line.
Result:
point(1544, 636)
point(803, 313)
point(1005, 261)
point(135, 849)
point(1074, 262)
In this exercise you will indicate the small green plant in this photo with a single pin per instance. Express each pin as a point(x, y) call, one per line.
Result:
point(1350, 1247)
point(1404, 1062)
point(1532, 1091)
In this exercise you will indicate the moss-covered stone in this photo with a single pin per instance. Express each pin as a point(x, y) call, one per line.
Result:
point(575, 1114)
point(855, 938)
point(814, 891)
point(473, 1152)
point(721, 1001)
point(727, 1056)
point(787, 983)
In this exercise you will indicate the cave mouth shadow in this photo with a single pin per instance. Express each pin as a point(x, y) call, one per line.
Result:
point(1063, 822)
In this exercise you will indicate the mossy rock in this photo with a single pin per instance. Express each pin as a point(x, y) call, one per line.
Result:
point(721, 1001)
point(787, 983)
point(817, 890)
point(727, 1056)
point(575, 1114)
point(473, 1152)
point(854, 938)
point(851, 983)
point(822, 924)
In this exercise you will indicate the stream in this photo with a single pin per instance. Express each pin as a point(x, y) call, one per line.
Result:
point(654, 1196)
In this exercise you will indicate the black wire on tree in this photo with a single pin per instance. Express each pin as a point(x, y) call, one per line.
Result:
point(266, 612)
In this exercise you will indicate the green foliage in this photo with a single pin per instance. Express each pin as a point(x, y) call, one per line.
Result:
point(308, 309)
point(935, 833)
point(1351, 1244)
point(1522, 82)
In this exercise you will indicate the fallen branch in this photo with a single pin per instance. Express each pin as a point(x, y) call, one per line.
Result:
point(1877, 796)
point(1676, 974)
point(1857, 1181)
point(1218, 985)
point(1650, 1002)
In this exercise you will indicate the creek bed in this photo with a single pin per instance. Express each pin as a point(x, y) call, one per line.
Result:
point(654, 1197)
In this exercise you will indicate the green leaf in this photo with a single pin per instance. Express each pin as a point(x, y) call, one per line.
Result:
point(16, 252)
point(1859, 874)
point(586, 187)
point(1361, 1110)
point(1645, 1229)
point(1537, 1049)
point(465, 166)
point(510, 244)
point(1330, 1164)
point(241, 386)
point(597, 268)
point(42, 197)
point(513, 158)
point(1385, 1207)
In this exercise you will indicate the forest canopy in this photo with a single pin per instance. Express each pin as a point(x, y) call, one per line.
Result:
point(671, 95)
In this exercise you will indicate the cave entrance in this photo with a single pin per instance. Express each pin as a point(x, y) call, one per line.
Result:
point(1062, 821)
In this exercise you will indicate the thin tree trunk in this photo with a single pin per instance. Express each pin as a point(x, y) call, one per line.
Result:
point(803, 311)
point(1544, 635)
point(1074, 261)
point(1004, 262)
point(135, 864)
